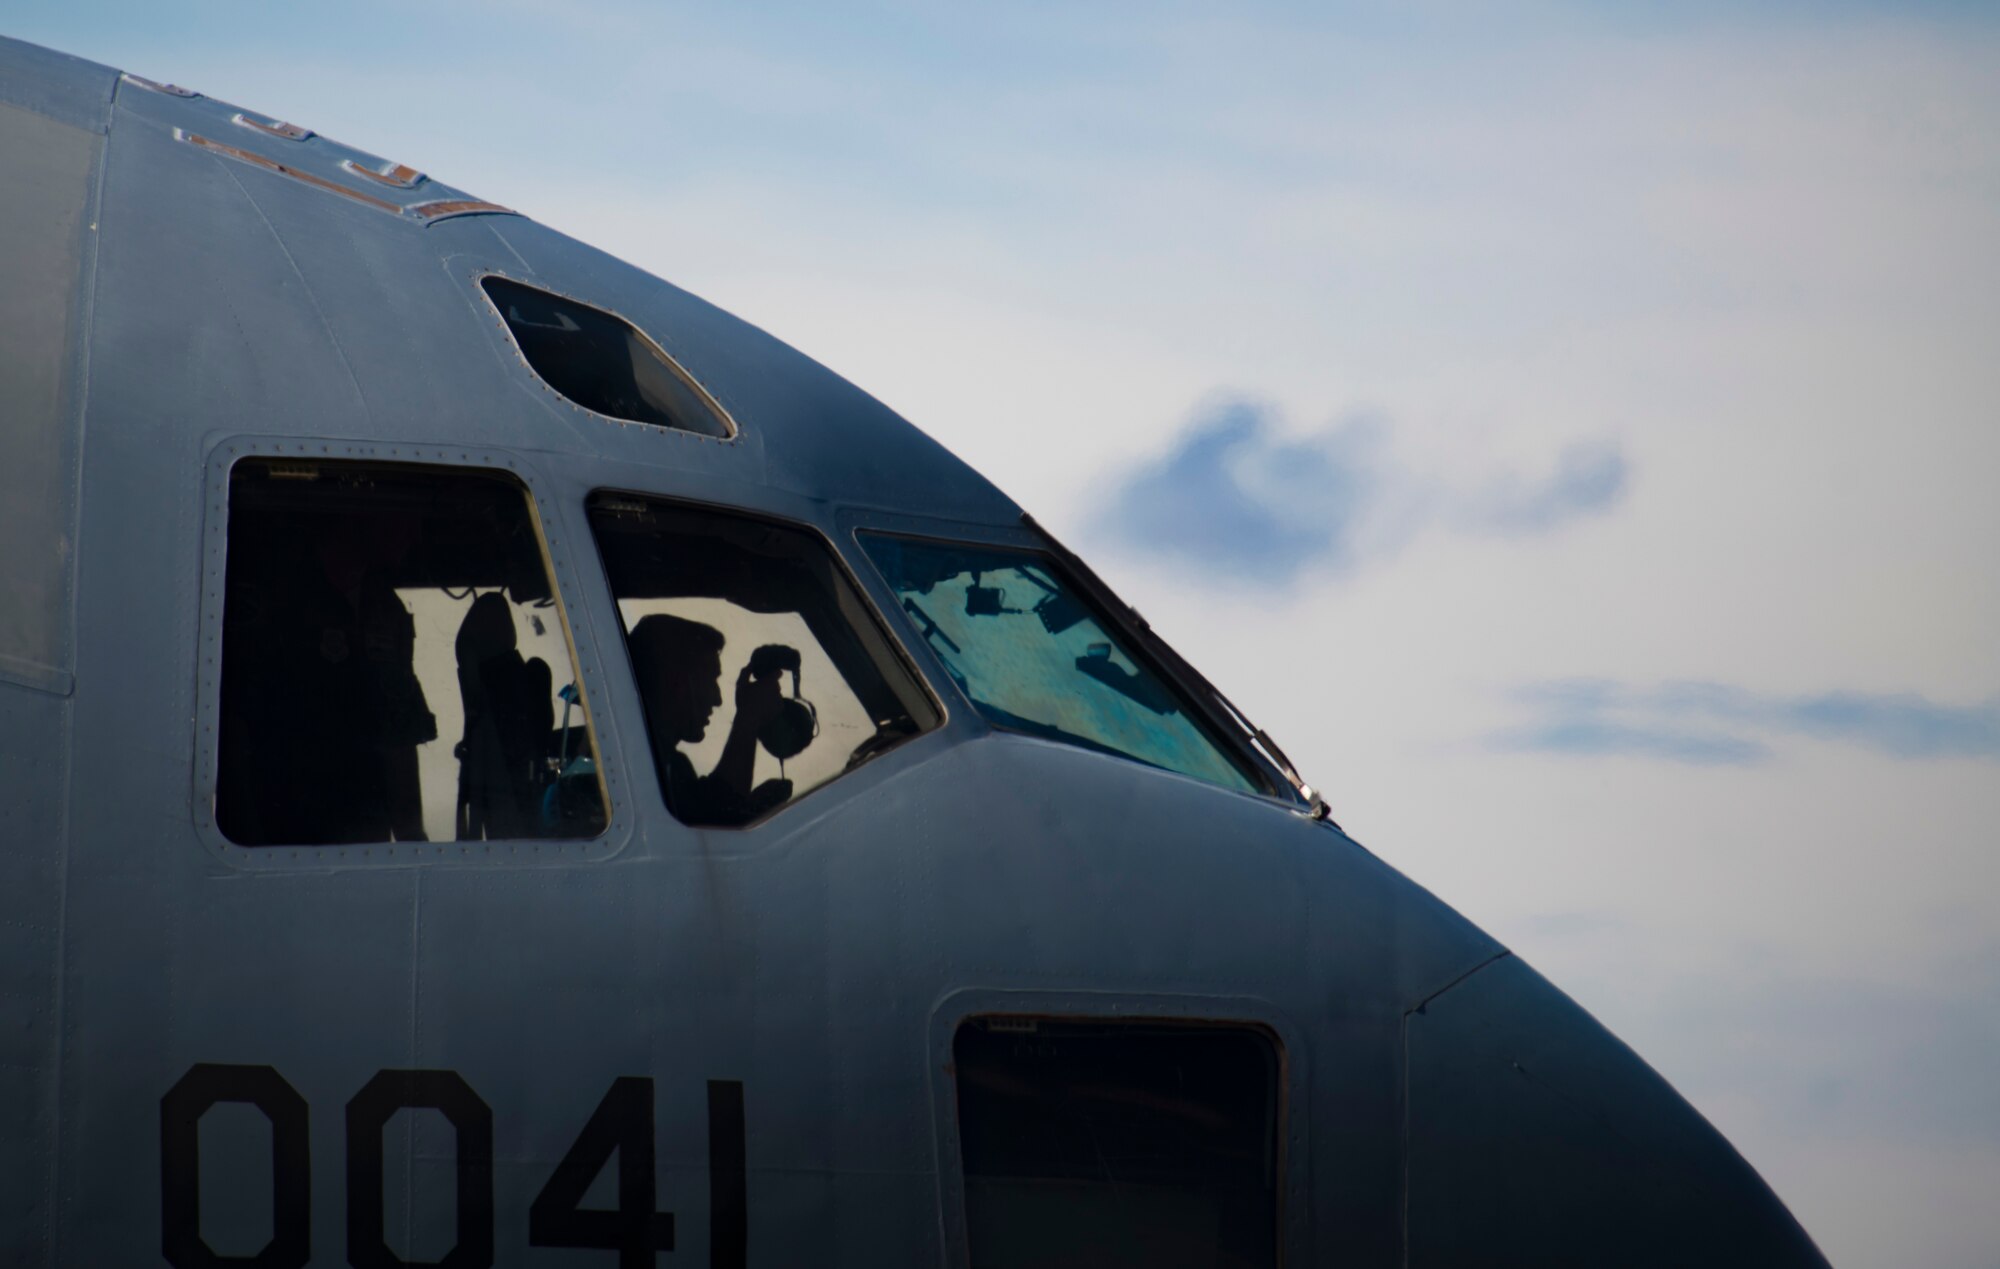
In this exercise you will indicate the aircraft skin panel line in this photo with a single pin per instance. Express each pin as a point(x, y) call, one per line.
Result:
point(53, 115)
point(507, 764)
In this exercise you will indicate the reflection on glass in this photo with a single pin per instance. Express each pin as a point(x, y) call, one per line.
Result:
point(761, 672)
point(1015, 635)
point(394, 666)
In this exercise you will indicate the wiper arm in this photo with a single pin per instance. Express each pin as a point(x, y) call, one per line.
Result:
point(1178, 667)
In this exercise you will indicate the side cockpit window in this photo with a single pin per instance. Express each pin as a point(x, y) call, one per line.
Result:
point(395, 664)
point(1034, 656)
point(762, 672)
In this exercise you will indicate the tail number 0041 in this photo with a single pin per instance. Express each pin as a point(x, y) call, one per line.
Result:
point(622, 1122)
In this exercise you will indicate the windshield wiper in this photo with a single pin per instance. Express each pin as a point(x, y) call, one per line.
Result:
point(1011, 721)
point(1177, 666)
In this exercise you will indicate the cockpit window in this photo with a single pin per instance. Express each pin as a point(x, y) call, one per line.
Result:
point(1033, 656)
point(602, 362)
point(395, 663)
point(762, 672)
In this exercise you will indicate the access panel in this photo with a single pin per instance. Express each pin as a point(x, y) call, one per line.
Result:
point(1118, 1143)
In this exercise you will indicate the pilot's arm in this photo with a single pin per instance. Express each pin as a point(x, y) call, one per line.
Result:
point(757, 703)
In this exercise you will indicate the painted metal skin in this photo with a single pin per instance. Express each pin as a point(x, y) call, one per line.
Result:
point(1442, 1103)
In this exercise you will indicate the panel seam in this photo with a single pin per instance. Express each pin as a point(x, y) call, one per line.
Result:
point(1404, 1026)
point(85, 323)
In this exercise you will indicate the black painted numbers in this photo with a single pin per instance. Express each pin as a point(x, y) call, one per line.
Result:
point(622, 1122)
point(205, 1085)
point(728, 1177)
point(368, 1114)
point(622, 1125)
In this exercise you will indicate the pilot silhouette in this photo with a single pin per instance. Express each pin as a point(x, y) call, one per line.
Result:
point(509, 718)
point(679, 667)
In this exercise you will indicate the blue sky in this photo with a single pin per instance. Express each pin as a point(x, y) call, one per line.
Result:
point(1569, 428)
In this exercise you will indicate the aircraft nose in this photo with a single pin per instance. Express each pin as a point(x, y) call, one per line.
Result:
point(1536, 1138)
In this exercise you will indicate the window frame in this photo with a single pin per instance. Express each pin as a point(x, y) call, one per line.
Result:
point(892, 638)
point(1294, 1083)
point(1107, 610)
point(571, 601)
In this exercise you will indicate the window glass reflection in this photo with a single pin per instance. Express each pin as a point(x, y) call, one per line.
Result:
point(394, 663)
point(1033, 656)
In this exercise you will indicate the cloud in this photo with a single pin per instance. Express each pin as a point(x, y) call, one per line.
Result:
point(1234, 497)
point(1717, 724)
point(1906, 726)
point(1589, 478)
point(1593, 736)
point(1231, 497)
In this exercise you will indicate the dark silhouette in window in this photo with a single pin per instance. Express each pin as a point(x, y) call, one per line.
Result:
point(762, 672)
point(322, 709)
point(503, 755)
point(343, 585)
point(679, 668)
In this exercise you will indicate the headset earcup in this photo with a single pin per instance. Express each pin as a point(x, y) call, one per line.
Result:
point(791, 729)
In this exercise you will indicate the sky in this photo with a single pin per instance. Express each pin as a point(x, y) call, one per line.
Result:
point(1567, 428)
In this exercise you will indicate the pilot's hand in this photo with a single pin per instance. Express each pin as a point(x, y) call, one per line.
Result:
point(757, 700)
point(769, 794)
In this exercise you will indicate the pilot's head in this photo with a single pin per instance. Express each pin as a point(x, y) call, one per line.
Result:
point(679, 667)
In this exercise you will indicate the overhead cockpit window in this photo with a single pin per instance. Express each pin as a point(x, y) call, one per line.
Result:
point(762, 671)
point(602, 362)
point(395, 663)
point(1107, 1144)
point(1034, 657)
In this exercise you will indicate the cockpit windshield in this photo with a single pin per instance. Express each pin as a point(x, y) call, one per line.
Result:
point(1033, 656)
